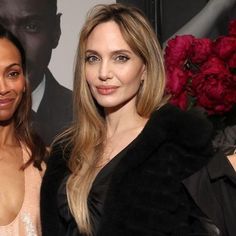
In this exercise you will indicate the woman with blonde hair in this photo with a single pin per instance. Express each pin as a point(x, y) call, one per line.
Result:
point(118, 169)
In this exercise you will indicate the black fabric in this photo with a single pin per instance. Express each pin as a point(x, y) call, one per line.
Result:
point(68, 226)
point(56, 171)
point(145, 195)
point(214, 189)
point(55, 110)
point(96, 197)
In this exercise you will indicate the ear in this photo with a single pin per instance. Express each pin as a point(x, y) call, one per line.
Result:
point(144, 73)
point(57, 30)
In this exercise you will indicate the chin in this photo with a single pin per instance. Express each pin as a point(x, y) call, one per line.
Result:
point(6, 118)
point(107, 105)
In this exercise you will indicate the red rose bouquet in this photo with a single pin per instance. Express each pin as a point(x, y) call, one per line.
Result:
point(202, 72)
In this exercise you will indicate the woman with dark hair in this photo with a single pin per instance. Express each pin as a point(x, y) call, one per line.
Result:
point(21, 150)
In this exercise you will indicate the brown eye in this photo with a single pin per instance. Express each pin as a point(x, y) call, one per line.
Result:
point(32, 27)
point(13, 74)
point(122, 58)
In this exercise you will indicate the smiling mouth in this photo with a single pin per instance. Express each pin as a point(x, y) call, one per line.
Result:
point(4, 103)
point(106, 90)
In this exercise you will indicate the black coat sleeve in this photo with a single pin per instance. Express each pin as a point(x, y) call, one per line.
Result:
point(56, 171)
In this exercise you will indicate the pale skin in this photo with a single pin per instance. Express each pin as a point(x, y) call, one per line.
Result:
point(12, 86)
point(232, 160)
point(115, 73)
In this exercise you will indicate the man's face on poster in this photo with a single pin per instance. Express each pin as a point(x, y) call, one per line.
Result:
point(37, 27)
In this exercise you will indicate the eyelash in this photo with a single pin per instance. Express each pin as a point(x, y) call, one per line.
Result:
point(32, 27)
point(89, 59)
point(13, 74)
point(120, 58)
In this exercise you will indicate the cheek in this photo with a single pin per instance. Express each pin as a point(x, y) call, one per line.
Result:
point(20, 93)
point(131, 77)
point(20, 86)
point(90, 76)
point(89, 80)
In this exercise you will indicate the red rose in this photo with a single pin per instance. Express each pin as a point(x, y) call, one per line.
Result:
point(177, 80)
point(178, 49)
point(213, 87)
point(232, 61)
point(232, 28)
point(202, 72)
point(225, 46)
point(201, 50)
point(215, 96)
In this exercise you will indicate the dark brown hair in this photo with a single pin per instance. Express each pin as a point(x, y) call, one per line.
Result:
point(23, 128)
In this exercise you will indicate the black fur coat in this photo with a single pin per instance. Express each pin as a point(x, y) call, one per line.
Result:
point(146, 195)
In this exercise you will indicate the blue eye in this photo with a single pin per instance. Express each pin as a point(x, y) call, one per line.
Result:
point(91, 59)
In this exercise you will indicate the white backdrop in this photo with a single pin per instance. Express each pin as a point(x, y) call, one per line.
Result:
point(73, 15)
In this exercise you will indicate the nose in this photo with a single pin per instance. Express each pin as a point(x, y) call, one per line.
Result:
point(105, 71)
point(3, 87)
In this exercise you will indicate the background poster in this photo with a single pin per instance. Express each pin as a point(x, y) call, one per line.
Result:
point(73, 16)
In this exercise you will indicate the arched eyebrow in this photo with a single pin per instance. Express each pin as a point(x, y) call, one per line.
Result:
point(112, 52)
point(13, 64)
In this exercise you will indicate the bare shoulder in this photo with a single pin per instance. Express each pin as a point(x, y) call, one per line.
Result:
point(232, 160)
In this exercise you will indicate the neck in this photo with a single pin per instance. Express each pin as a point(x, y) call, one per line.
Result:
point(123, 119)
point(7, 135)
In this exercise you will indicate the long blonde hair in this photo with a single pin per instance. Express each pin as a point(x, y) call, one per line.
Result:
point(88, 131)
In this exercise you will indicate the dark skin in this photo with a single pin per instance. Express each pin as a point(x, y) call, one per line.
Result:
point(37, 26)
point(12, 86)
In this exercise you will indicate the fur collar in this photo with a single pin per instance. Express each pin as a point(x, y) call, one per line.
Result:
point(171, 125)
point(187, 129)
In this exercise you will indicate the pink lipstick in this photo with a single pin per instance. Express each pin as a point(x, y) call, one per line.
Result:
point(4, 103)
point(106, 90)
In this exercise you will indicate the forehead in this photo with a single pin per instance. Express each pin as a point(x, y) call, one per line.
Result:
point(107, 35)
point(13, 9)
point(8, 51)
